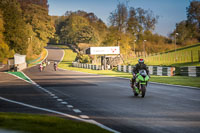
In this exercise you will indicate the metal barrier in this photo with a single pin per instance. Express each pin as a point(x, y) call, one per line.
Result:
point(153, 70)
point(192, 71)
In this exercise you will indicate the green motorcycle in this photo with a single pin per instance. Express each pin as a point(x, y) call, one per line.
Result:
point(140, 85)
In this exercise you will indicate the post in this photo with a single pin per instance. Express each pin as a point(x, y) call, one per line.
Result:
point(199, 54)
point(175, 46)
point(191, 56)
point(134, 46)
point(144, 48)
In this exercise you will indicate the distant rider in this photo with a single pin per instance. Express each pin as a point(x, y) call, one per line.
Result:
point(55, 65)
point(41, 67)
point(44, 65)
point(136, 70)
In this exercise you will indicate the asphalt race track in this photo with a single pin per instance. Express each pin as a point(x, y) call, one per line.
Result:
point(107, 100)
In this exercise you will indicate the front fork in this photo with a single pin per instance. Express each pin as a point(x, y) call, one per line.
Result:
point(134, 86)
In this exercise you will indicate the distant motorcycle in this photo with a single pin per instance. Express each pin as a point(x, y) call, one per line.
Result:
point(40, 67)
point(55, 67)
point(142, 79)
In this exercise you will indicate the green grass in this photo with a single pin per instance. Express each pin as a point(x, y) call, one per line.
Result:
point(176, 80)
point(45, 124)
point(186, 64)
point(21, 75)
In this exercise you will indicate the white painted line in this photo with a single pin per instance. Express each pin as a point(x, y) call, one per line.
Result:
point(55, 97)
point(84, 116)
point(77, 111)
point(174, 85)
point(60, 113)
point(59, 100)
point(62, 56)
point(70, 106)
point(64, 102)
point(52, 95)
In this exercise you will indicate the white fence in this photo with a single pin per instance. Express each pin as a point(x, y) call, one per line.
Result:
point(153, 70)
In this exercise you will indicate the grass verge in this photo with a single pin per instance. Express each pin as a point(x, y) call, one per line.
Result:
point(175, 80)
point(45, 124)
point(43, 55)
point(21, 75)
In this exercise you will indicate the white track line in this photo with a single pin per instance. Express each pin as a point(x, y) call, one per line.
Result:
point(77, 111)
point(60, 113)
point(62, 56)
point(70, 106)
point(84, 116)
point(59, 100)
point(64, 103)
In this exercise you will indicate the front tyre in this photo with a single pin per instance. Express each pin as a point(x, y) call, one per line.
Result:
point(143, 89)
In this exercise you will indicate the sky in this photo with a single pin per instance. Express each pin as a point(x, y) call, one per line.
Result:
point(170, 12)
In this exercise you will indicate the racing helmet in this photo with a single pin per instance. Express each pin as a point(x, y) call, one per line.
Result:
point(141, 61)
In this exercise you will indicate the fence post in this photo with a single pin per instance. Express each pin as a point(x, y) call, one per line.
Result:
point(199, 54)
point(191, 56)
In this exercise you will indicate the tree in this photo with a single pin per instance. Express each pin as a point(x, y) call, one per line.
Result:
point(16, 35)
point(98, 25)
point(77, 30)
point(119, 17)
point(4, 49)
point(193, 16)
point(42, 26)
point(189, 30)
point(131, 25)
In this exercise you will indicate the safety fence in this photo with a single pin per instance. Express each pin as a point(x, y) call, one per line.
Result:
point(87, 66)
point(153, 70)
point(192, 71)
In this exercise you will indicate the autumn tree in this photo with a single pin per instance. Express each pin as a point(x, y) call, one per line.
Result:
point(16, 35)
point(41, 24)
point(76, 29)
point(4, 49)
point(189, 30)
point(131, 24)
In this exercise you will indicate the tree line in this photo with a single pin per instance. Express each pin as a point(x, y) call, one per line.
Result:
point(188, 31)
point(25, 27)
point(130, 28)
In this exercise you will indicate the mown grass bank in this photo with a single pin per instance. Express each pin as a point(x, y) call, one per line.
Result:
point(45, 124)
point(176, 80)
point(36, 60)
point(186, 56)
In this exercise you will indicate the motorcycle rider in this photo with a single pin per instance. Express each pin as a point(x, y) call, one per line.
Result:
point(55, 65)
point(40, 67)
point(136, 70)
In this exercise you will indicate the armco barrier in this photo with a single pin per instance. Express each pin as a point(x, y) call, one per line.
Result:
point(192, 71)
point(153, 70)
point(87, 66)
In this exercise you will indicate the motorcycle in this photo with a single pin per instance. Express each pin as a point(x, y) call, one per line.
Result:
point(55, 67)
point(40, 67)
point(141, 82)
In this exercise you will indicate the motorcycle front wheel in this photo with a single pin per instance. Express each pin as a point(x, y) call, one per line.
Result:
point(143, 89)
